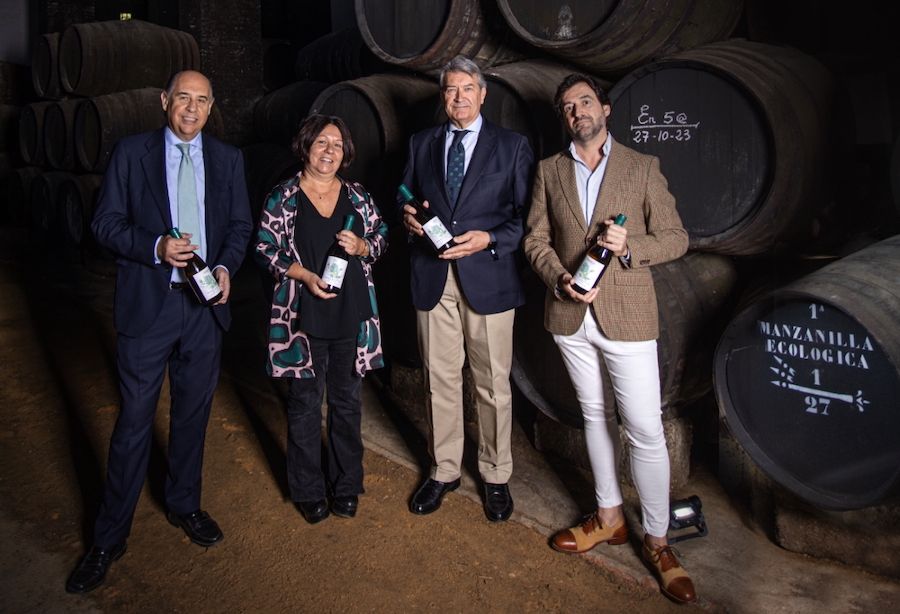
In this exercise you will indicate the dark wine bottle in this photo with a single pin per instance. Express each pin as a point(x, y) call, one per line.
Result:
point(336, 262)
point(594, 264)
point(432, 225)
point(199, 277)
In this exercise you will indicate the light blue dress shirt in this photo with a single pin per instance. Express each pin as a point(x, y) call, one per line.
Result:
point(589, 181)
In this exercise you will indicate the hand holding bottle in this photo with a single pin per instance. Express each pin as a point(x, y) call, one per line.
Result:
point(565, 289)
point(410, 221)
point(310, 280)
point(352, 244)
point(420, 221)
point(196, 272)
point(466, 244)
point(599, 255)
point(614, 238)
point(176, 251)
point(224, 280)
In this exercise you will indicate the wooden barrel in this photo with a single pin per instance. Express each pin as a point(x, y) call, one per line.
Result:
point(46, 216)
point(31, 132)
point(382, 112)
point(102, 120)
point(808, 379)
point(266, 165)
point(338, 56)
point(425, 35)
point(17, 194)
point(691, 293)
point(111, 56)
point(58, 134)
point(77, 196)
point(9, 127)
point(520, 98)
point(611, 37)
point(740, 129)
point(45, 66)
point(277, 115)
point(278, 63)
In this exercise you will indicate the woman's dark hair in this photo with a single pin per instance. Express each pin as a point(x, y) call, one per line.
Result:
point(311, 127)
point(574, 79)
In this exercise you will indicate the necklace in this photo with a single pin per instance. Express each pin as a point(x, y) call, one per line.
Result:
point(308, 187)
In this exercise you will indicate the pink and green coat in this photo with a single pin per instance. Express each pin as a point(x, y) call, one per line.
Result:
point(289, 354)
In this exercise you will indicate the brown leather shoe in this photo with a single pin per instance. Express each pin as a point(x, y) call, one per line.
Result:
point(674, 581)
point(588, 534)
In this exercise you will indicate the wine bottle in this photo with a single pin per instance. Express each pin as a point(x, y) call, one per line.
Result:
point(199, 277)
point(336, 262)
point(594, 264)
point(432, 225)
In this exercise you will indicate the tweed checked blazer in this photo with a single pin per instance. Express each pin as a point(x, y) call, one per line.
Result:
point(557, 238)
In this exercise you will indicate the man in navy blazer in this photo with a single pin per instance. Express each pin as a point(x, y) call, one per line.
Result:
point(159, 322)
point(465, 298)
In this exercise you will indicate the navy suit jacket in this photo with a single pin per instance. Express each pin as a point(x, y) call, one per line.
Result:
point(493, 197)
point(133, 212)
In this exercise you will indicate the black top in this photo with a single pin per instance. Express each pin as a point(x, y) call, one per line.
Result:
point(338, 317)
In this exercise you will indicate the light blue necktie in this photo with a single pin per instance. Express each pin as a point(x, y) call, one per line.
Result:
point(188, 207)
point(456, 165)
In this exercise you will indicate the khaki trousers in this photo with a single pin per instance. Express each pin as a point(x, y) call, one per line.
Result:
point(446, 333)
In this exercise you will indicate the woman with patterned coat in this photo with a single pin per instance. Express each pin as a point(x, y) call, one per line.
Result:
point(322, 339)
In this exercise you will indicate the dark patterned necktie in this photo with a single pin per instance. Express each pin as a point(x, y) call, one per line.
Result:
point(456, 165)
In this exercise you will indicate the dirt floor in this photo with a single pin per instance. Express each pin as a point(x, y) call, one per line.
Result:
point(58, 400)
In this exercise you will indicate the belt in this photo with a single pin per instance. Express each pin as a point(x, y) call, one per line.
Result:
point(177, 285)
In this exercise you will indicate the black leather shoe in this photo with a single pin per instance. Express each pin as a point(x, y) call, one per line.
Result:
point(430, 494)
point(91, 569)
point(313, 511)
point(498, 503)
point(345, 507)
point(198, 526)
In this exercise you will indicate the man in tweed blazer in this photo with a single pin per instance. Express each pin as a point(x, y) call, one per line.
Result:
point(609, 331)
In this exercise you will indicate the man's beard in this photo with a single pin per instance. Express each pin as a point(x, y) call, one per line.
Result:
point(584, 131)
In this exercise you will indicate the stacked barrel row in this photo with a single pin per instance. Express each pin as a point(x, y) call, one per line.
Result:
point(97, 82)
point(744, 134)
point(15, 91)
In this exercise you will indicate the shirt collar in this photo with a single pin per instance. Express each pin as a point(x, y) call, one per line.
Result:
point(607, 146)
point(474, 127)
point(172, 140)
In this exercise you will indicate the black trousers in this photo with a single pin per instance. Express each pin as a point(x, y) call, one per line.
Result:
point(333, 361)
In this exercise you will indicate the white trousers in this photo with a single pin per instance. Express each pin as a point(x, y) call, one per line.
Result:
point(632, 367)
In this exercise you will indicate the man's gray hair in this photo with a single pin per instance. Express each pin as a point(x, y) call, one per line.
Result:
point(462, 64)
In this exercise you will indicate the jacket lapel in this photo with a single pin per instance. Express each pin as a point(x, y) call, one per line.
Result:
point(214, 178)
point(484, 150)
point(565, 169)
point(436, 151)
point(154, 165)
point(611, 186)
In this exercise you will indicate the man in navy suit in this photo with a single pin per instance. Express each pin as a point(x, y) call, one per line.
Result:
point(475, 176)
point(172, 177)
